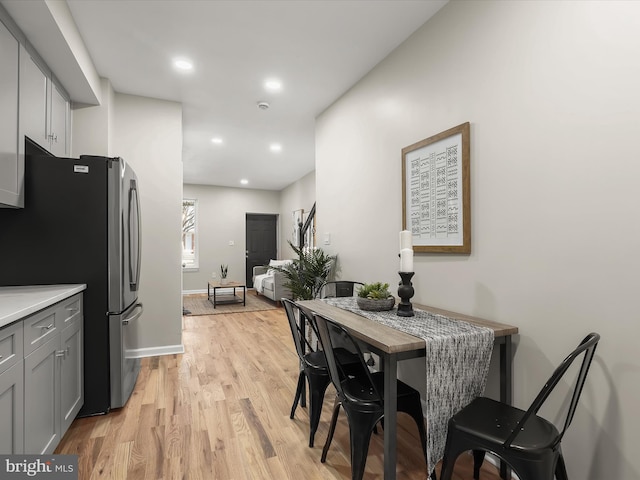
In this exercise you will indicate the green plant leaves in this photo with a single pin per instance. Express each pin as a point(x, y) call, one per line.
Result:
point(375, 291)
point(308, 272)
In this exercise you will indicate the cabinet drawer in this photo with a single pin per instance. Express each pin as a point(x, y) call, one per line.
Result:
point(40, 327)
point(69, 311)
point(11, 346)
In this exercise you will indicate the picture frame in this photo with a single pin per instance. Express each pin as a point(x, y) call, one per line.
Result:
point(436, 192)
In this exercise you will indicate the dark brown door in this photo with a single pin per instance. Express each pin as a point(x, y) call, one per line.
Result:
point(261, 241)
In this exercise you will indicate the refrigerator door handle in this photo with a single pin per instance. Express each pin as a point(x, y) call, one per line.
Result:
point(137, 312)
point(134, 236)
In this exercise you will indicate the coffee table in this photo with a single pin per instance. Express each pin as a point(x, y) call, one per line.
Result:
point(219, 298)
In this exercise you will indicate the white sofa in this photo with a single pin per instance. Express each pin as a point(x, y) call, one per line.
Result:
point(269, 282)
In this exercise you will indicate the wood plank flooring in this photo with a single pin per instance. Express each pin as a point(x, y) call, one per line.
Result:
point(221, 411)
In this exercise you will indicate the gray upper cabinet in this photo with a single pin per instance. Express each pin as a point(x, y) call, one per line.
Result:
point(58, 118)
point(32, 104)
point(44, 109)
point(11, 164)
point(33, 99)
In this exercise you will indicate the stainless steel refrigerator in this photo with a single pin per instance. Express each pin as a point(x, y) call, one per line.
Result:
point(81, 224)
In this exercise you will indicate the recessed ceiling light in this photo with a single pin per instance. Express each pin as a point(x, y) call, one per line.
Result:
point(244, 181)
point(183, 64)
point(273, 85)
point(216, 140)
point(275, 147)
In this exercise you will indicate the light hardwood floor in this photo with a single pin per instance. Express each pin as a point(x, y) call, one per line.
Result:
point(221, 411)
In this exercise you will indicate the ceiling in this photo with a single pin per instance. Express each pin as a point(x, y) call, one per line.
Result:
point(316, 49)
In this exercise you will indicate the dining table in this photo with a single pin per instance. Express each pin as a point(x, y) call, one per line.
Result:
point(392, 345)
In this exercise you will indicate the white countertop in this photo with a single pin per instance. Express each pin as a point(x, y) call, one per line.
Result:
point(18, 302)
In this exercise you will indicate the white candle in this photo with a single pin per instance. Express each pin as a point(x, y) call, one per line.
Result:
point(406, 260)
point(406, 241)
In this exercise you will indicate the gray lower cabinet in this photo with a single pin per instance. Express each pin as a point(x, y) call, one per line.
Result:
point(42, 392)
point(12, 409)
point(12, 389)
point(42, 398)
point(71, 374)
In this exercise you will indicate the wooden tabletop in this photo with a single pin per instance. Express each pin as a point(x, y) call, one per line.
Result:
point(389, 339)
point(216, 284)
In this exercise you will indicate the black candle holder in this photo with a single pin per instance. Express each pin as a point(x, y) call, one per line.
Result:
point(405, 292)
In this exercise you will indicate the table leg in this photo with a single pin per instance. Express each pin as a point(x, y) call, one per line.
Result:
point(214, 296)
point(390, 415)
point(244, 296)
point(506, 387)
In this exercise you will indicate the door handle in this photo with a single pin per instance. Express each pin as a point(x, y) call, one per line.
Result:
point(135, 316)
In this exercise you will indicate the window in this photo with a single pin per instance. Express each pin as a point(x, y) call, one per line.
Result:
point(189, 234)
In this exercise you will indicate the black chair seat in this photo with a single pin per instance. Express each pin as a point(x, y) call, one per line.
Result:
point(366, 397)
point(493, 422)
point(525, 441)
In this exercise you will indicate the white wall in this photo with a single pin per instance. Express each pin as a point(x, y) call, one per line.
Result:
point(92, 125)
point(148, 134)
point(550, 89)
point(221, 219)
point(298, 195)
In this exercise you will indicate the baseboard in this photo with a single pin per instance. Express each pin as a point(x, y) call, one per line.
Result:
point(193, 292)
point(156, 351)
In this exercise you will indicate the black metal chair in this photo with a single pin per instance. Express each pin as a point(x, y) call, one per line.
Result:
point(313, 366)
point(361, 396)
point(529, 444)
point(339, 288)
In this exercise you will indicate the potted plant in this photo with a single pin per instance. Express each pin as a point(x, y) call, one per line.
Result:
point(306, 274)
point(375, 297)
point(224, 269)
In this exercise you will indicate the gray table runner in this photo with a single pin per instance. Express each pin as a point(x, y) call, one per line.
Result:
point(457, 362)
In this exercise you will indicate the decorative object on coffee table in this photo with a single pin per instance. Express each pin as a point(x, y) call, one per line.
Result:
point(375, 297)
point(224, 269)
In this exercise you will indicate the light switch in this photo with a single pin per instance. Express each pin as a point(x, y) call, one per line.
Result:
point(231, 243)
point(327, 239)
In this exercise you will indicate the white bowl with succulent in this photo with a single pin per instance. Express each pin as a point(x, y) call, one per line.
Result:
point(375, 297)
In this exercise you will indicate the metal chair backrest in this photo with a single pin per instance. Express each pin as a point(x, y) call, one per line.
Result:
point(587, 348)
point(298, 322)
point(339, 288)
point(333, 336)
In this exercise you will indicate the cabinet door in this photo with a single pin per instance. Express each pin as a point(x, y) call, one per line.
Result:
point(11, 172)
point(71, 374)
point(41, 397)
point(12, 410)
point(33, 100)
point(58, 122)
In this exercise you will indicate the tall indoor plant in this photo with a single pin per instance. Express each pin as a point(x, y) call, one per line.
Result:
point(306, 274)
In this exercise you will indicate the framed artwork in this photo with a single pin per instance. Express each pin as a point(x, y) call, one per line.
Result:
point(436, 193)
